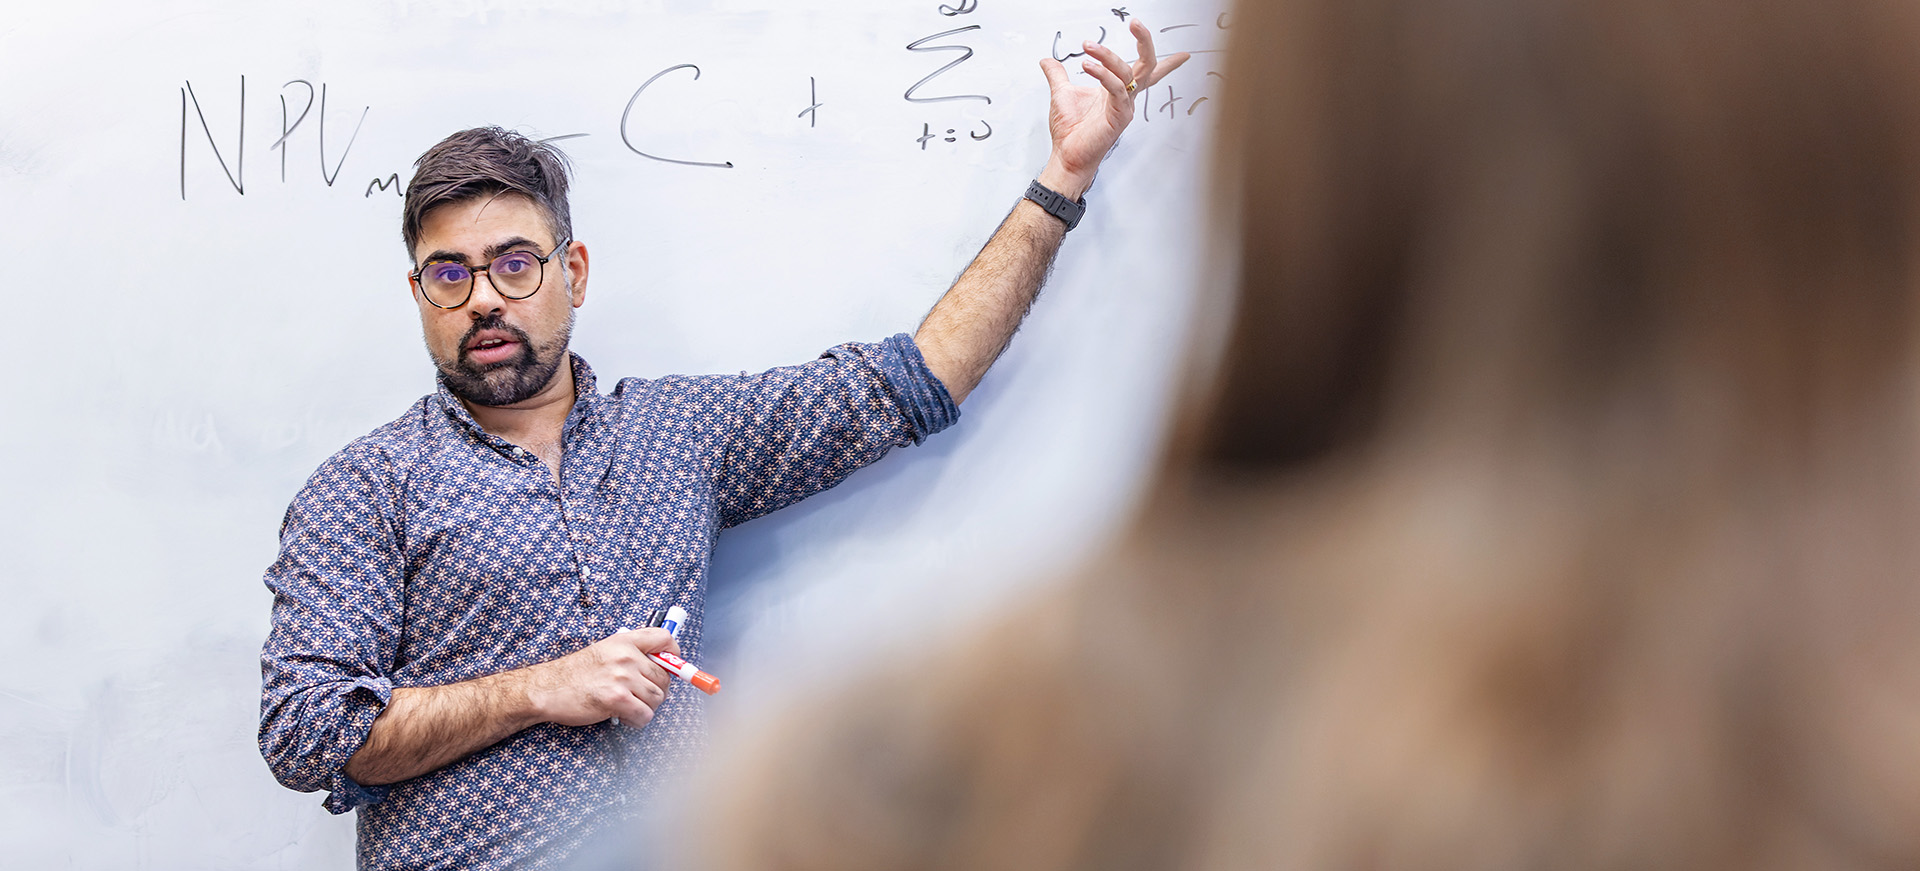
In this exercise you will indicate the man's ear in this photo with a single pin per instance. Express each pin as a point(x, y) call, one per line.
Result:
point(577, 273)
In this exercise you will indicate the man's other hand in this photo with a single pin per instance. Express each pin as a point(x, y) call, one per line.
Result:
point(610, 678)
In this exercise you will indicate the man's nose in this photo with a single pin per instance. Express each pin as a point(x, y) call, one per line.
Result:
point(485, 297)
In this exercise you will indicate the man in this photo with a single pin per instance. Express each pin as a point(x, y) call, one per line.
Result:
point(449, 643)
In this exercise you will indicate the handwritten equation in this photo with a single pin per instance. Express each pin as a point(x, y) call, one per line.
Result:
point(304, 107)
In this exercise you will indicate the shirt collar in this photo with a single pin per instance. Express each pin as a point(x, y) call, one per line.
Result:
point(586, 400)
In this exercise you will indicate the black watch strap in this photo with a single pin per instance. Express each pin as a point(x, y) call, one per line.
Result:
point(1057, 204)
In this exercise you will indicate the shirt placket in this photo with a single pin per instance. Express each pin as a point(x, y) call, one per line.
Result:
point(576, 520)
point(580, 541)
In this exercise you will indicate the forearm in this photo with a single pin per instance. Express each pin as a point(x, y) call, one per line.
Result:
point(975, 320)
point(424, 729)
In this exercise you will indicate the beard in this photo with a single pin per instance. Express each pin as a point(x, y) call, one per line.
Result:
point(509, 381)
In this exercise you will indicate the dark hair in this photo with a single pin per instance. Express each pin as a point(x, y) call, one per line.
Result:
point(483, 162)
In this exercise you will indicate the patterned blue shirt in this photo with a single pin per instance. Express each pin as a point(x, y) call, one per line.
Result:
point(430, 552)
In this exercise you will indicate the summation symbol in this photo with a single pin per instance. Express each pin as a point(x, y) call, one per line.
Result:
point(966, 54)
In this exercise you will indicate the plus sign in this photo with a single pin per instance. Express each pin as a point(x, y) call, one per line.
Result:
point(1169, 105)
point(814, 110)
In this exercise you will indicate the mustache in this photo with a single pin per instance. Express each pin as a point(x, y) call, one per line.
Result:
point(494, 322)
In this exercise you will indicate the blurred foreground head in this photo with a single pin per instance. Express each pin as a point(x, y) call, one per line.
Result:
point(1552, 504)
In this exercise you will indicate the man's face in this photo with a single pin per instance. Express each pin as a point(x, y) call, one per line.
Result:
point(493, 350)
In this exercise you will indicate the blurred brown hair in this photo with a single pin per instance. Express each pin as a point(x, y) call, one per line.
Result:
point(1555, 207)
point(1551, 507)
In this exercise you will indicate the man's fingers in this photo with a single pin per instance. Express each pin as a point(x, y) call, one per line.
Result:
point(633, 711)
point(636, 661)
point(652, 671)
point(1055, 72)
point(653, 641)
point(1106, 77)
point(649, 638)
point(1111, 60)
point(1161, 70)
point(1144, 36)
point(642, 692)
point(651, 693)
point(1151, 68)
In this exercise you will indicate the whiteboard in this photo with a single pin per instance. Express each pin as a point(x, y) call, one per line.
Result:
point(208, 303)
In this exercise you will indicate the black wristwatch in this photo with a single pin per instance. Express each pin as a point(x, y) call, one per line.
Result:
point(1057, 204)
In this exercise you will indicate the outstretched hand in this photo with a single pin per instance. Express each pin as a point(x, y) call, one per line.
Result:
point(1086, 122)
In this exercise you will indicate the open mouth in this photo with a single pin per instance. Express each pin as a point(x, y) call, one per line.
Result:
point(492, 347)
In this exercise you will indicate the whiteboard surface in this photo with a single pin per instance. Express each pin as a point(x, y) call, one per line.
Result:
point(186, 354)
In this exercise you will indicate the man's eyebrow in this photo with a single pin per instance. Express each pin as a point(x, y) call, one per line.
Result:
point(492, 251)
point(444, 256)
point(499, 248)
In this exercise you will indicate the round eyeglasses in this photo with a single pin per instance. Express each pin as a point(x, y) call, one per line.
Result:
point(515, 275)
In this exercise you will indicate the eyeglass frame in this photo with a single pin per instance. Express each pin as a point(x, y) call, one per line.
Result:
point(473, 277)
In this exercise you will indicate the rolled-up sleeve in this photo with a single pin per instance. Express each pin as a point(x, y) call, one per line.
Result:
point(923, 399)
point(798, 430)
point(337, 599)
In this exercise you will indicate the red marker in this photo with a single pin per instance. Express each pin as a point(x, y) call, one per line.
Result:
point(707, 683)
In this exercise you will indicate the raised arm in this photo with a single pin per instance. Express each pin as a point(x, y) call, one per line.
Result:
point(975, 320)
